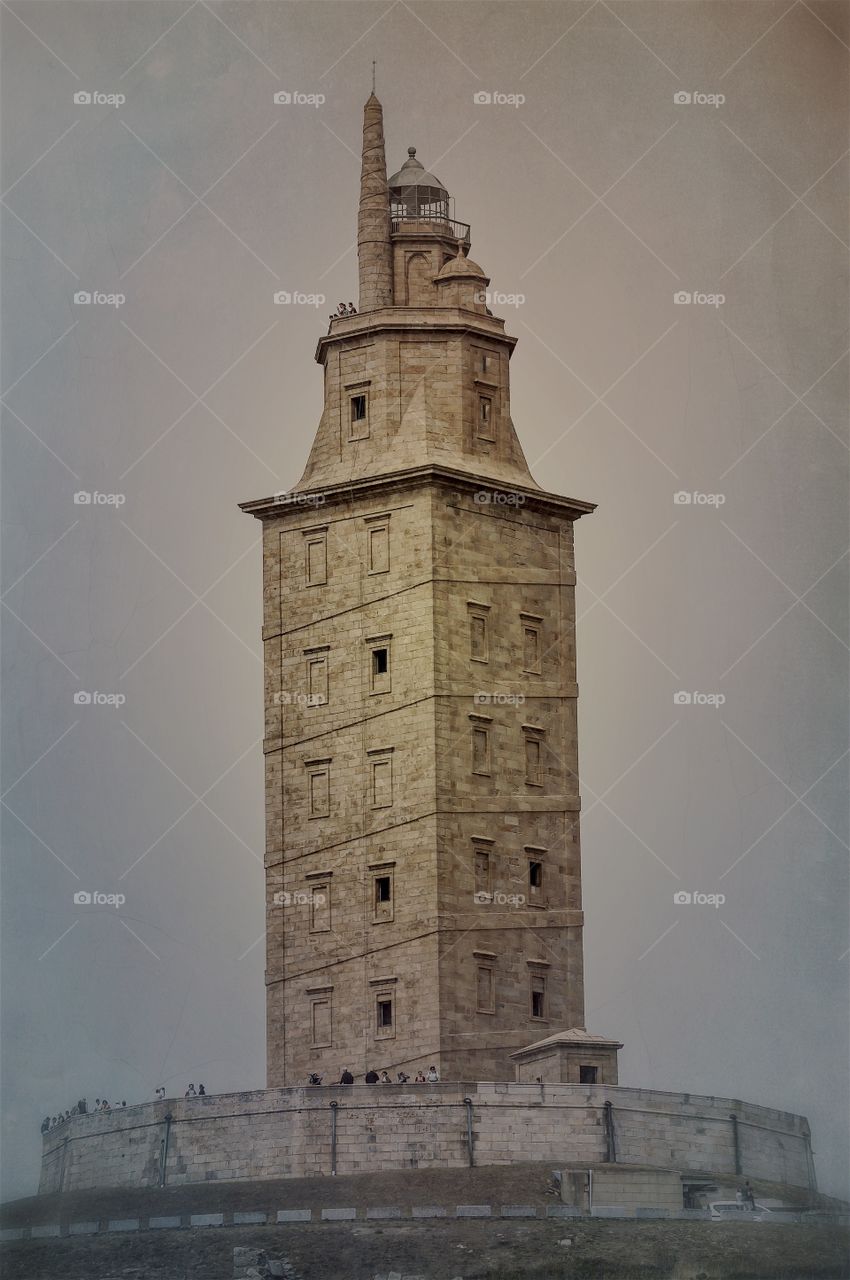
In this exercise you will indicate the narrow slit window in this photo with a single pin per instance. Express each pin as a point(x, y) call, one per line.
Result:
point(382, 783)
point(531, 649)
point(317, 681)
point(485, 994)
point(320, 908)
point(379, 548)
point(478, 646)
point(535, 876)
point(482, 874)
point(316, 559)
point(538, 996)
point(533, 762)
point(321, 1023)
point(380, 667)
point(358, 416)
point(384, 1016)
point(485, 417)
point(319, 791)
point(481, 751)
point(383, 890)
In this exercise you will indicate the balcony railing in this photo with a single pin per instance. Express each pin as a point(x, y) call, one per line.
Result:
point(433, 221)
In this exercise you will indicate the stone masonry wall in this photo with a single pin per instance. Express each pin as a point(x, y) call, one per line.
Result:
point(278, 1133)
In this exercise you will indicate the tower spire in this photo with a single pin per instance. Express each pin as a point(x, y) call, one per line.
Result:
point(374, 250)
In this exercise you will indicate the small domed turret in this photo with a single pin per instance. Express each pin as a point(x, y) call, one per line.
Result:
point(462, 268)
point(462, 283)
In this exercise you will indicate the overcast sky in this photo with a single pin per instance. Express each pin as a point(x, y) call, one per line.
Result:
point(593, 202)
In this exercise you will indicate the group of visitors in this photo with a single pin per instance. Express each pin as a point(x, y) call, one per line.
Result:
point(192, 1092)
point(372, 1077)
point(80, 1108)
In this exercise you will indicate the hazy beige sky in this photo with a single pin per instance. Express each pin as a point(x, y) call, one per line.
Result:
point(593, 202)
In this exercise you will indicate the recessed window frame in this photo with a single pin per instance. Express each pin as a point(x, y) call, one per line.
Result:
point(537, 996)
point(536, 858)
point(384, 992)
point(482, 856)
point(478, 612)
point(357, 396)
point(485, 415)
point(532, 623)
point(317, 670)
point(316, 769)
point(380, 758)
point(377, 527)
point(533, 761)
point(320, 913)
point(489, 1005)
point(383, 912)
point(481, 733)
point(316, 537)
point(379, 682)
point(321, 997)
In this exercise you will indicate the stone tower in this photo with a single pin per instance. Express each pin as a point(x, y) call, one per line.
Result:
point(422, 854)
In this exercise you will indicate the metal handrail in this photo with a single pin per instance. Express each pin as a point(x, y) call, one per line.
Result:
point(460, 230)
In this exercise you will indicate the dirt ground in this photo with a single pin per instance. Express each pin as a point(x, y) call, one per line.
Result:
point(453, 1250)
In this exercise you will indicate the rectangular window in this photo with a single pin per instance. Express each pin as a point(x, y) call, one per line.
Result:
point(485, 421)
point(320, 908)
point(486, 362)
point(478, 638)
point(380, 672)
point(378, 557)
point(317, 680)
point(320, 1023)
point(535, 876)
point(382, 897)
point(485, 990)
point(481, 750)
point(482, 872)
point(587, 1074)
point(316, 558)
point(533, 762)
point(538, 995)
point(384, 1025)
point(531, 648)
point(382, 782)
point(358, 415)
point(319, 788)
